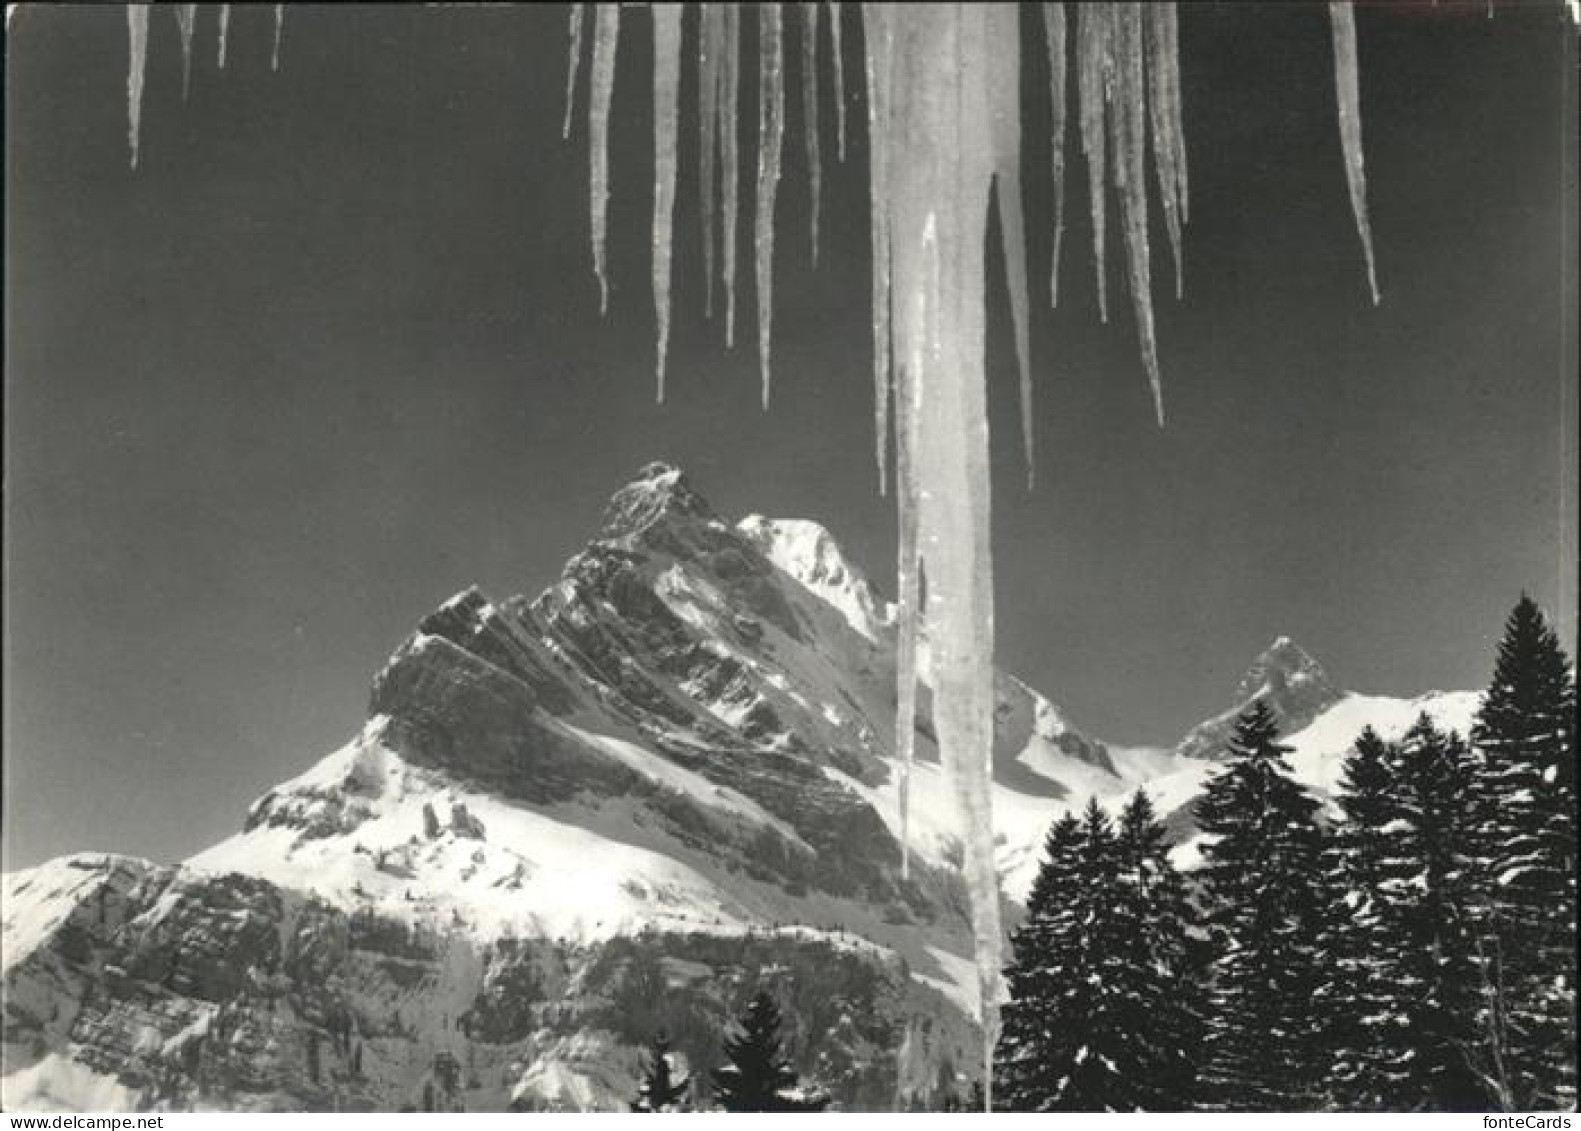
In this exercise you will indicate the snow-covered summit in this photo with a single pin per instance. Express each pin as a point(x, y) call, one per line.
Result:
point(660, 491)
point(1287, 672)
point(809, 554)
point(1284, 678)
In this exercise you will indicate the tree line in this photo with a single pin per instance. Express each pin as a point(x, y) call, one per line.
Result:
point(1414, 953)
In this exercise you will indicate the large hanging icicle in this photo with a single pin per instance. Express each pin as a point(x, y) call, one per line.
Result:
point(1348, 97)
point(809, 111)
point(186, 21)
point(838, 51)
point(606, 38)
point(729, 156)
point(1092, 65)
point(573, 63)
point(771, 136)
point(1054, 37)
point(279, 30)
point(136, 67)
point(666, 121)
point(942, 155)
point(1163, 86)
point(1128, 150)
point(224, 34)
point(710, 39)
point(1002, 27)
point(880, 46)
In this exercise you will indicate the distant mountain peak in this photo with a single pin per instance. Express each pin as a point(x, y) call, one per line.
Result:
point(1283, 667)
point(1284, 678)
point(660, 491)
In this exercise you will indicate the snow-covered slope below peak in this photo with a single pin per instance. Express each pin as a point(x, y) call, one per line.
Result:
point(364, 828)
point(36, 903)
point(1317, 751)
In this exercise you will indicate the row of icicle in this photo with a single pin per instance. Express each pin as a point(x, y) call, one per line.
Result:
point(944, 131)
point(186, 25)
point(944, 121)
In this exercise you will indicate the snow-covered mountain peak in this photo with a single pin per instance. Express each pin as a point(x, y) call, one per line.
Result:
point(809, 554)
point(1285, 679)
point(1285, 669)
point(660, 491)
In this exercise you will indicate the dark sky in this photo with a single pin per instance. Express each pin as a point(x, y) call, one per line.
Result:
point(334, 353)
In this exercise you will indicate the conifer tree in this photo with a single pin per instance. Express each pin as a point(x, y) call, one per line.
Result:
point(758, 1076)
point(1164, 965)
point(1262, 874)
point(660, 1090)
point(1358, 996)
point(1099, 1010)
point(1022, 1081)
point(1525, 737)
point(1429, 936)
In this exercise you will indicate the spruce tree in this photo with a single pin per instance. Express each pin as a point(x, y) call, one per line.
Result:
point(1022, 1081)
point(660, 1090)
point(1358, 998)
point(1429, 931)
point(1164, 965)
point(1262, 875)
point(1099, 1017)
point(1525, 736)
point(758, 1076)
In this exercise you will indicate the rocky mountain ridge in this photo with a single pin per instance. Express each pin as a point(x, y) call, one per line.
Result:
point(570, 820)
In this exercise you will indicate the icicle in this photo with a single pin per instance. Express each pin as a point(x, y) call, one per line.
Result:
point(809, 111)
point(771, 134)
point(1169, 28)
point(225, 27)
point(1163, 80)
point(1348, 98)
point(573, 63)
point(1092, 49)
point(1054, 35)
point(839, 74)
point(908, 614)
point(136, 65)
point(940, 164)
point(666, 114)
point(711, 35)
point(729, 156)
point(279, 28)
point(880, 45)
point(1128, 146)
point(606, 36)
point(186, 20)
point(1003, 32)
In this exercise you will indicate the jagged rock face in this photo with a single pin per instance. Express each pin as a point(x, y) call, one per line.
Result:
point(1286, 680)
